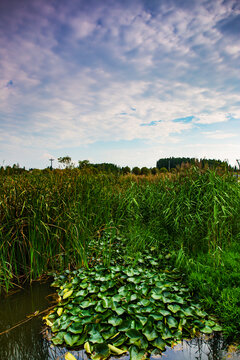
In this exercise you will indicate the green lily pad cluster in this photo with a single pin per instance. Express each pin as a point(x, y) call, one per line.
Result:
point(121, 308)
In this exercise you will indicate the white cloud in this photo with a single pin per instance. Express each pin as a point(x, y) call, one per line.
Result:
point(211, 118)
point(218, 134)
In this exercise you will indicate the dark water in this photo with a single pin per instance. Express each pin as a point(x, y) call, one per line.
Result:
point(26, 342)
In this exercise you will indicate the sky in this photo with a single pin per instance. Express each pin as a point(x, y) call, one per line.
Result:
point(120, 81)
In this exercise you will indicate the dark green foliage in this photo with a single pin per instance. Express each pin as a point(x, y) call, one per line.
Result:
point(136, 170)
point(124, 297)
point(177, 162)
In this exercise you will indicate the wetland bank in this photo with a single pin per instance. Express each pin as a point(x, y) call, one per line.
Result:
point(183, 225)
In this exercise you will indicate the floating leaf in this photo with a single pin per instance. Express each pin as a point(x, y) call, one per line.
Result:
point(115, 321)
point(87, 347)
point(217, 328)
point(68, 294)
point(76, 328)
point(172, 322)
point(144, 302)
point(187, 312)
point(200, 313)
point(136, 353)
point(116, 350)
point(159, 343)
point(59, 311)
point(166, 334)
point(58, 339)
point(142, 319)
point(101, 352)
point(133, 334)
point(164, 312)
point(109, 333)
point(119, 310)
point(174, 308)
point(70, 339)
point(125, 325)
point(150, 333)
point(207, 330)
point(69, 356)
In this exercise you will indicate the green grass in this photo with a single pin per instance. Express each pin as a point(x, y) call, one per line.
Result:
point(66, 219)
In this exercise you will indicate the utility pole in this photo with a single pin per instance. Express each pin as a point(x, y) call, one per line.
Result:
point(51, 160)
point(238, 161)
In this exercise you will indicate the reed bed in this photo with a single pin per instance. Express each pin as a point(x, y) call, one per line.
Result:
point(48, 220)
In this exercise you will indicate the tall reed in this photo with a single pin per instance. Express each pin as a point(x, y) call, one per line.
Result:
point(48, 220)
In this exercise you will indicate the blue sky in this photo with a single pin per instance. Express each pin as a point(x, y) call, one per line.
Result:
point(126, 82)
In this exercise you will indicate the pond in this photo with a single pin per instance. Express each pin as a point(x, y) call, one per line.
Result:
point(27, 342)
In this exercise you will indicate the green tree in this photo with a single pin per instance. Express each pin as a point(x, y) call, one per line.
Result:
point(136, 170)
point(82, 164)
point(145, 171)
point(66, 161)
point(126, 170)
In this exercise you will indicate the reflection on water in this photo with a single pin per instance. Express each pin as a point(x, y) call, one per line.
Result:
point(27, 343)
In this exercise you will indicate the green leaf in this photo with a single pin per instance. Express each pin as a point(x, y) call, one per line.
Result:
point(64, 325)
point(217, 328)
point(143, 319)
point(136, 353)
point(142, 343)
point(119, 340)
point(167, 334)
point(187, 312)
point(164, 312)
point(133, 297)
point(101, 352)
point(147, 309)
point(81, 293)
point(59, 338)
point(70, 339)
point(200, 313)
point(207, 330)
point(125, 325)
point(133, 334)
point(67, 294)
point(174, 308)
point(96, 337)
point(81, 340)
point(76, 328)
point(156, 296)
point(210, 323)
point(119, 310)
point(108, 333)
point(116, 350)
point(106, 302)
point(156, 317)
point(115, 321)
point(150, 333)
point(144, 302)
point(75, 311)
point(100, 308)
point(172, 322)
point(117, 297)
point(159, 343)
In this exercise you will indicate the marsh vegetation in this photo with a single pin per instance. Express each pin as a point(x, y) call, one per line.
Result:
point(86, 222)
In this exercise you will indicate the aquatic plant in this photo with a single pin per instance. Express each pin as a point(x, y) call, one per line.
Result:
point(121, 308)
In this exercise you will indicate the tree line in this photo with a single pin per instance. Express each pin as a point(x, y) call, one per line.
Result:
point(163, 165)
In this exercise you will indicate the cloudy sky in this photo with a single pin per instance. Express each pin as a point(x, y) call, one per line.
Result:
point(119, 81)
